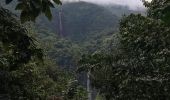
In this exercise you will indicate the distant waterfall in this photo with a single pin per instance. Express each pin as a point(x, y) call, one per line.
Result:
point(89, 86)
point(60, 22)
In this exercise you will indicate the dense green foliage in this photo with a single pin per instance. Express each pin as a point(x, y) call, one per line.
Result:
point(82, 26)
point(63, 51)
point(139, 68)
point(159, 9)
point(129, 64)
point(17, 49)
point(82, 20)
point(25, 73)
point(31, 9)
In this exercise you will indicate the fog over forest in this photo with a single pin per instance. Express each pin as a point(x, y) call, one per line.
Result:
point(132, 4)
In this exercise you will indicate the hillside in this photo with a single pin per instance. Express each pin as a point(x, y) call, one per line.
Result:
point(80, 20)
point(86, 28)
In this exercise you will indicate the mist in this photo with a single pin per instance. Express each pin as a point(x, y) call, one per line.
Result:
point(132, 4)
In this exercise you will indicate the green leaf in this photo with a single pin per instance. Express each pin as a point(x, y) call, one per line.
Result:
point(57, 2)
point(8, 1)
point(48, 13)
point(20, 6)
point(24, 17)
point(51, 4)
point(166, 18)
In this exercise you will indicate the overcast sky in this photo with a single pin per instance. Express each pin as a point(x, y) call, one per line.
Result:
point(131, 3)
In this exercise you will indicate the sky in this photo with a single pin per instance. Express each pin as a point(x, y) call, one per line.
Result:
point(133, 4)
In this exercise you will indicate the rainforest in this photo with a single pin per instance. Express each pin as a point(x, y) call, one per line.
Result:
point(84, 50)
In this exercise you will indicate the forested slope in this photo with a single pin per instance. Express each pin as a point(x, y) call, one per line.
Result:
point(80, 20)
point(87, 27)
point(130, 64)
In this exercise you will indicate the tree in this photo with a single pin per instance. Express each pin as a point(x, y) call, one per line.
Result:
point(146, 43)
point(140, 70)
point(17, 49)
point(159, 9)
point(31, 9)
point(25, 73)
